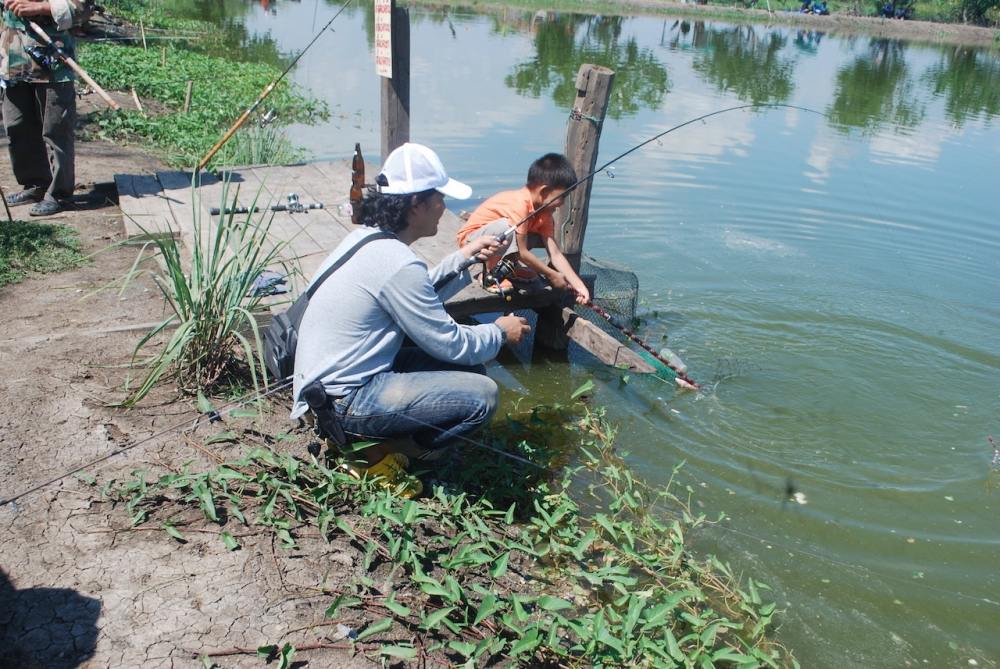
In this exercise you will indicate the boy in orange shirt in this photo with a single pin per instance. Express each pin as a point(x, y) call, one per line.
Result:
point(548, 179)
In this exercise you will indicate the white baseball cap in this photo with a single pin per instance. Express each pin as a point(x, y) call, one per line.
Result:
point(414, 168)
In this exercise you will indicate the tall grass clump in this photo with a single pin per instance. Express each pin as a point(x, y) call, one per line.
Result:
point(260, 145)
point(588, 566)
point(211, 333)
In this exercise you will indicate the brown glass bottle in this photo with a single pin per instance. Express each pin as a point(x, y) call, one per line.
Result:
point(357, 183)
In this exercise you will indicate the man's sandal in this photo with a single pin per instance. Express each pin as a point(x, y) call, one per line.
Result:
point(26, 196)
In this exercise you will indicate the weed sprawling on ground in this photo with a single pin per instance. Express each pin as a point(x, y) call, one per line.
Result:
point(36, 247)
point(221, 91)
point(581, 566)
point(211, 333)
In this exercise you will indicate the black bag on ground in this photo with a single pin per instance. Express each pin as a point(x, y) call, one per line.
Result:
point(282, 335)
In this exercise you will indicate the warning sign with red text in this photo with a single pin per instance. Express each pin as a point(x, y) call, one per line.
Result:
point(383, 38)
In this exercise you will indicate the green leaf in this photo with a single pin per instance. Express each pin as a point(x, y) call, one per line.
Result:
point(204, 406)
point(585, 388)
point(341, 600)
point(378, 627)
point(221, 437)
point(433, 619)
point(403, 652)
point(461, 647)
point(229, 541)
point(173, 531)
point(500, 567)
point(487, 608)
point(528, 642)
point(553, 603)
point(397, 608)
point(266, 651)
point(243, 413)
point(287, 541)
point(287, 653)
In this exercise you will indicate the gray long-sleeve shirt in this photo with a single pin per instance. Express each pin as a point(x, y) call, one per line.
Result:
point(356, 321)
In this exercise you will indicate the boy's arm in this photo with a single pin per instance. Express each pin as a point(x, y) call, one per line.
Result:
point(532, 261)
point(560, 262)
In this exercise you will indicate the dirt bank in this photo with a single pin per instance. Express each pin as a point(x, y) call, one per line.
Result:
point(77, 588)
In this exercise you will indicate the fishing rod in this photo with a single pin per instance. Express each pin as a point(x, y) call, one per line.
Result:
point(266, 92)
point(54, 52)
point(507, 234)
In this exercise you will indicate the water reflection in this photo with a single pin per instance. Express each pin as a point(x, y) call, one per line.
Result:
point(969, 80)
point(747, 61)
point(234, 40)
point(877, 90)
point(563, 42)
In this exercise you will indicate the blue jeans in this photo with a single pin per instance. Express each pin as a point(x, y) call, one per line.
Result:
point(434, 402)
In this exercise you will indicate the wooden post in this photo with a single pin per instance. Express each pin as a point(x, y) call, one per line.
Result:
point(583, 134)
point(187, 96)
point(142, 29)
point(396, 91)
point(163, 56)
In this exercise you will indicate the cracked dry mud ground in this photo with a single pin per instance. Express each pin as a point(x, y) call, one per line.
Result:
point(77, 588)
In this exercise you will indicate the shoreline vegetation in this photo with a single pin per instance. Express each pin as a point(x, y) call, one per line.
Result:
point(844, 18)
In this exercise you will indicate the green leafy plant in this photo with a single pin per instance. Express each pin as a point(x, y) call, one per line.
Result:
point(211, 332)
point(586, 567)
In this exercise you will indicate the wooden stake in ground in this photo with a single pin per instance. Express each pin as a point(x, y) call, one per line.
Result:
point(138, 105)
point(142, 31)
point(187, 96)
point(163, 56)
point(3, 196)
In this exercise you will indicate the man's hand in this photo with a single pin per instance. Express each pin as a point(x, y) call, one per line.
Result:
point(28, 8)
point(485, 247)
point(515, 327)
point(582, 294)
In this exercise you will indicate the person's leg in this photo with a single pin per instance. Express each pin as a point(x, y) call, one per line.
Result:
point(434, 407)
point(494, 229)
point(23, 122)
point(58, 104)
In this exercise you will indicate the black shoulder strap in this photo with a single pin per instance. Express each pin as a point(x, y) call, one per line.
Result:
point(344, 258)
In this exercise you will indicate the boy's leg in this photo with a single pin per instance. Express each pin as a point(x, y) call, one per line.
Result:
point(494, 229)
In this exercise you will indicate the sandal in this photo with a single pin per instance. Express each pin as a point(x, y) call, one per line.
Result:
point(26, 196)
point(47, 207)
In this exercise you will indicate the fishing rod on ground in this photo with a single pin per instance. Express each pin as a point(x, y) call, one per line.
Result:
point(266, 92)
point(672, 362)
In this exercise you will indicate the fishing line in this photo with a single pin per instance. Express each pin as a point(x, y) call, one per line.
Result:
point(215, 415)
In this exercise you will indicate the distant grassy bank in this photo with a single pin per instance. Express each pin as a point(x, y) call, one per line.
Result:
point(935, 21)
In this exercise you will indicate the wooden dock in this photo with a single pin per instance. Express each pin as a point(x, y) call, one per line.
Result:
point(167, 203)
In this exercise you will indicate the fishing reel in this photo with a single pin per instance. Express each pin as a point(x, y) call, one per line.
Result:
point(45, 56)
point(503, 270)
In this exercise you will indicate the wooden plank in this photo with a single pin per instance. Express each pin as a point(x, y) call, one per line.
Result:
point(474, 300)
point(395, 97)
point(603, 346)
point(145, 211)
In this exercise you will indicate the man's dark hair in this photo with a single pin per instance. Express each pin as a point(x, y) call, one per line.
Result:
point(388, 212)
point(552, 169)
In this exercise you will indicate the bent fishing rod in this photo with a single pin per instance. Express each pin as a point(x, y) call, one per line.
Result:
point(265, 93)
point(507, 234)
point(671, 361)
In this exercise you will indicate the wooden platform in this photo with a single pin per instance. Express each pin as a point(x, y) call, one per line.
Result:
point(167, 204)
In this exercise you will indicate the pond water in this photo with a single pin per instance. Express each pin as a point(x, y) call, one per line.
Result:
point(833, 278)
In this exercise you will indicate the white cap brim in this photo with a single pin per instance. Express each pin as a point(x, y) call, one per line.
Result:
point(455, 189)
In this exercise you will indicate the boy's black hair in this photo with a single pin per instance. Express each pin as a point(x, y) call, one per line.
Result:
point(552, 169)
point(388, 212)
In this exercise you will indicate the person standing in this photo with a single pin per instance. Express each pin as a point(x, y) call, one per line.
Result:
point(39, 101)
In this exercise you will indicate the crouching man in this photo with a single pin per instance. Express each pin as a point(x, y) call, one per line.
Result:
point(352, 334)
